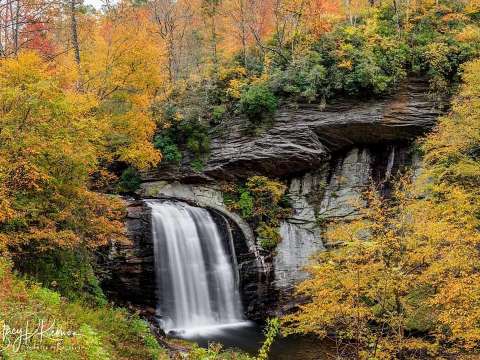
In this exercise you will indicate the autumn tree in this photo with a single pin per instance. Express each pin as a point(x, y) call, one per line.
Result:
point(173, 20)
point(50, 144)
point(23, 22)
point(121, 69)
point(402, 281)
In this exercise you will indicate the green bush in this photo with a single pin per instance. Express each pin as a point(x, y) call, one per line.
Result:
point(268, 236)
point(362, 62)
point(67, 271)
point(305, 78)
point(245, 204)
point(258, 102)
point(262, 202)
point(217, 113)
point(199, 144)
point(129, 181)
point(169, 149)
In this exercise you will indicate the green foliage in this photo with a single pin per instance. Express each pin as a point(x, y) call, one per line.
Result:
point(245, 204)
point(303, 78)
point(373, 57)
point(170, 151)
point(268, 236)
point(351, 60)
point(67, 271)
point(91, 344)
point(195, 136)
point(129, 181)
point(258, 102)
point(185, 132)
point(93, 333)
point(197, 165)
point(215, 352)
point(271, 332)
point(441, 40)
point(218, 113)
point(262, 202)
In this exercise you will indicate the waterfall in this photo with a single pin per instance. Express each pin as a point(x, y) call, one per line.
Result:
point(391, 162)
point(194, 270)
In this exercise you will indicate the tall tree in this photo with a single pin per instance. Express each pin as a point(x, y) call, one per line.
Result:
point(22, 21)
point(211, 13)
point(74, 30)
point(173, 19)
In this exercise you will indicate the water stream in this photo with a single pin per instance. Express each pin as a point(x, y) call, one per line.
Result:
point(196, 277)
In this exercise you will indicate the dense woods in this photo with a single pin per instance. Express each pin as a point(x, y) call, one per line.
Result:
point(90, 98)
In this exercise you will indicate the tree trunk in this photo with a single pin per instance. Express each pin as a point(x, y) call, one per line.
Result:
point(74, 31)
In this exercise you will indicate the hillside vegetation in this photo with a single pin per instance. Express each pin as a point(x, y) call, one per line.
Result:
point(404, 281)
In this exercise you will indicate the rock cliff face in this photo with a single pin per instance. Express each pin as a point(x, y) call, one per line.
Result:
point(129, 266)
point(303, 137)
point(327, 157)
point(333, 192)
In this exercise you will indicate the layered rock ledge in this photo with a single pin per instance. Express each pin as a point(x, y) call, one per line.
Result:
point(302, 137)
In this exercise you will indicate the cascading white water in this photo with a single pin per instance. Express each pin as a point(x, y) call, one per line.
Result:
point(195, 276)
point(391, 162)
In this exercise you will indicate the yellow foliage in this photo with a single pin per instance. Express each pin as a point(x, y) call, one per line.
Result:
point(50, 143)
point(470, 34)
point(120, 69)
point(409, 265)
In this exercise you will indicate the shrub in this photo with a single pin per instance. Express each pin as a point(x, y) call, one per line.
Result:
point(67, 271)
point(258, 102)
point(262, 202)
point(268, 236)
point(268, 192)
point(217, 113)
point(129, 181)
point(199, 144)
point(304, 78)
point(245, 204)
point(169, 149)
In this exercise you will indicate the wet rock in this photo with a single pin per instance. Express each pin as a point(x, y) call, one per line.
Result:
point(127, 266)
